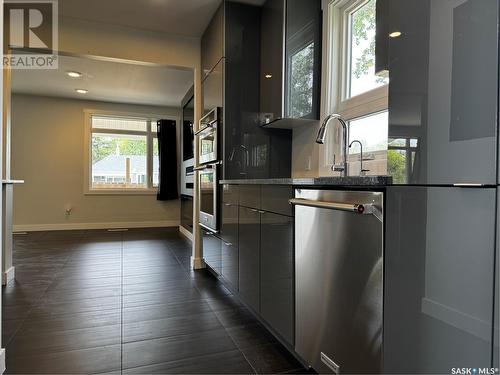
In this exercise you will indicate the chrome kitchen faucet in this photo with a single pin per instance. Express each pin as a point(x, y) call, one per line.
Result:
point(342, 167)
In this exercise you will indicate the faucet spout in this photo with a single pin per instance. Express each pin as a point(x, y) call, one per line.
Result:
point(322, 137)
point(324, 126)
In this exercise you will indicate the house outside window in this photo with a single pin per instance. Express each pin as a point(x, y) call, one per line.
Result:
point(121, 153)
point(352, 88)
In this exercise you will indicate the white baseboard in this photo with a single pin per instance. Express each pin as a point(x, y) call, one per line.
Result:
point(2, 361)
point(197, 263)
point(186, 233)
point(8, 275)
point(89, 226)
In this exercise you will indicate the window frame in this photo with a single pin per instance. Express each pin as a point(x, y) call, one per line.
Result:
point(149, 134)
point(336, 76)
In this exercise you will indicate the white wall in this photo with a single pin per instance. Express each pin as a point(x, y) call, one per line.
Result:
point(112, 41)
point(47, 152)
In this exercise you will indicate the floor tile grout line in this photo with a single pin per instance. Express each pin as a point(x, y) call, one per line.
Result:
point(234, 342)
point(35, 304)
point(184, 359)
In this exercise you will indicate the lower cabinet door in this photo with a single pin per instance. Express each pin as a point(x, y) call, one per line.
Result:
point(276, 278)
point(212, 251)
point(249, 257)
point(229, 235)
point(439, 279)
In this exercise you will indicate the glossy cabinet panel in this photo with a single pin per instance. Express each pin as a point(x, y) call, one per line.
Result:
point(290, 60)
point(212, 251)
point(443, 88)
point(249, 257)
point(231, 194)
point(212, 88)
point(187, 212)
point(276, 274)
point(496, 330)
point(230, 251)
point(271, 60)
point(439, 267)
point(275, 199)
point(303, 59)
point(212, 42)
point(250, 196)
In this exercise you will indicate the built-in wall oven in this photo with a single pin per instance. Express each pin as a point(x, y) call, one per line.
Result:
point(209, 170)
point(209, 196)
point(208, 136)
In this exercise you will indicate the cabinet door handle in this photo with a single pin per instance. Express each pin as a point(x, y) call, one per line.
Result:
point(254, 210)
point(262, 212)
point(228, 244)
point(227, 204)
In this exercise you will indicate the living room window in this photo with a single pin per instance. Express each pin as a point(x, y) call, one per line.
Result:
point(121, 154)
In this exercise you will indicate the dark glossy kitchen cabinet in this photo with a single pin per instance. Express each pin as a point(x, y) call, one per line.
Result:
point(229, 236)
point(249, 257)
point(276, 273)
point(212, 42)
point(213, 88)
point(439, 279)
point(290, 63)
point(443, 95)
point(212, 251)
point(187, 212)
point(231, 56)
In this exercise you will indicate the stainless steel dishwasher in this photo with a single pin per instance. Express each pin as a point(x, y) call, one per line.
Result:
point(339, 280)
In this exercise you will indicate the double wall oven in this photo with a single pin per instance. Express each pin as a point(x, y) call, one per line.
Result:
point(209, 155)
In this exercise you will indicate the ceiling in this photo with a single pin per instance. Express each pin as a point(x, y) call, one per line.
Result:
point(180, 17)
point(107, 81)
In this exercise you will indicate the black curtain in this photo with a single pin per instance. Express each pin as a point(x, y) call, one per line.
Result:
point(167, 148)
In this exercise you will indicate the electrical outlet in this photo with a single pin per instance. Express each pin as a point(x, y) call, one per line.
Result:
point(309, 163)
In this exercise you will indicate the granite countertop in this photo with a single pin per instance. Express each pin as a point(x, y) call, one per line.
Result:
point(317, 181)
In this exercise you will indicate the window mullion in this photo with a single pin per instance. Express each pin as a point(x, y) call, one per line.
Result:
point(149, 167)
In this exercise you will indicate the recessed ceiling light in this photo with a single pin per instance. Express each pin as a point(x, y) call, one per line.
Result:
point(75, 74)
point(269, 76)
point(82, 91)
point(395, 34)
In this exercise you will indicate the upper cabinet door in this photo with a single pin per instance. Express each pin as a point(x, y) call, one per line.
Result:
point(290, 60)
point(443, 90)
point(212, 42)
point(213, 88)
point(271, 55)
point(302, 59)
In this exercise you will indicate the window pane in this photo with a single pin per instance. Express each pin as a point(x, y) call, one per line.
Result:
point(154, 126)
point(362, 51)
point(156, 163)
point(372, 132)
point(118, 123)
point(396, 160)
point(301, 82)
point(119, 161)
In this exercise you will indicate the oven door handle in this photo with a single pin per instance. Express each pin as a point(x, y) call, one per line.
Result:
point(207, 166)
point(210, 125)
point(202, 168)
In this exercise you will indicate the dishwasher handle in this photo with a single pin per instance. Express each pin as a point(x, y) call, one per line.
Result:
point(362, 209)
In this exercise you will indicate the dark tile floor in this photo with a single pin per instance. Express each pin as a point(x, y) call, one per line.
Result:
point(100, 302)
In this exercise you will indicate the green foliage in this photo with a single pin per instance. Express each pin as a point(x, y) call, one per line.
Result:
point(301, 83)
point(103, 146)
point(396, 166)
point(364, 24)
